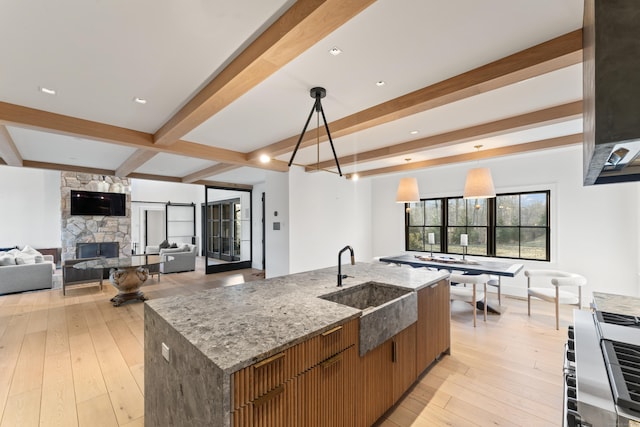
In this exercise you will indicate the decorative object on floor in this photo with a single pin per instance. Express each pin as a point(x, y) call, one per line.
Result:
point(557, 296)
point(408, 191)
point(127, 282)
point(317, 93)
point(126, 274)
point(479, 183)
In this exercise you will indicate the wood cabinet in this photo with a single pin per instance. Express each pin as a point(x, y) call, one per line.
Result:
point(376, 383)
point(311, 384)
point(433, 325)
point(327, 393)
point(324, 382)
point(403, 355)
point(387, 372)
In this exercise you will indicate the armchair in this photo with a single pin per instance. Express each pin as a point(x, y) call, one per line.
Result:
point(178, 259)
point(554, 294)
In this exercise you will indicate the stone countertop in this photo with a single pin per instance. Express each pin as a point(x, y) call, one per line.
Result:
point(612, 303)
point(238, 325)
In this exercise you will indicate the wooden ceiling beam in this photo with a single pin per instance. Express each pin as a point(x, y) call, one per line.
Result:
point(97, 171)
point(224, 185)
point(304, 24)
point(8, 150)
point(66, 125)
point(552, 55)
point(137, 159)
point(210, 171)
point(31, 118)
point(164, 178)
point(484, 154)
point(547, 116)
point(67, 168)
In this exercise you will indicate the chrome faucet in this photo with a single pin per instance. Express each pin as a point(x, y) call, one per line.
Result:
point(353, 261)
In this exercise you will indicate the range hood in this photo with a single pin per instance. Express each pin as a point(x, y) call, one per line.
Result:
point(611, 91)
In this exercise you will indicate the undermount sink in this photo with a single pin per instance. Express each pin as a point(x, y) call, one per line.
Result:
point(387, 310)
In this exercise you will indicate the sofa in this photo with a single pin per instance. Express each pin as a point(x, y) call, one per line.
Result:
point(25, 270)
point(178, 259)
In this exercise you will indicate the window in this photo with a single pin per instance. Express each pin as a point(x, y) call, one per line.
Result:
point(522, 225)
point(513, 225)
point(424, 218)
point(467, 217)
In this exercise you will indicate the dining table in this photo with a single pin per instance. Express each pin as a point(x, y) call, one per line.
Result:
point(466, 265)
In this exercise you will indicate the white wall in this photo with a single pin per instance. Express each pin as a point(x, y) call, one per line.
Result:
point(30, 208)
point(326, 213)
point(594, 228)
point(277, 241)
point(256, 226)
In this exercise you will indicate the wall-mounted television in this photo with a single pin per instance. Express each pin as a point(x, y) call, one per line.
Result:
point(97, 203)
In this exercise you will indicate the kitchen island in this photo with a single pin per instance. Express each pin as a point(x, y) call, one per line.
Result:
point(282, 351)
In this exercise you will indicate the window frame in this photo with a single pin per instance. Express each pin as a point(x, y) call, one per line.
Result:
point(492, 227)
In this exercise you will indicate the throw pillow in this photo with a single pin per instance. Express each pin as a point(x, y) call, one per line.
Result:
point(7, 259)
point(164, 244)
point(170, 250)
point(28, 255)
point(173, 245)
point(30, 251)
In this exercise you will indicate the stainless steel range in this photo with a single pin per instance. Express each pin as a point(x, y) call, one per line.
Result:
point(602, 370)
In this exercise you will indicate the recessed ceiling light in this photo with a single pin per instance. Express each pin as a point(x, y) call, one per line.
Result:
point(47, 90)
point(264, 158)
point(140, 100)
point(335, 51)
point(355, 177)
point(380, 83)
point(414, 132)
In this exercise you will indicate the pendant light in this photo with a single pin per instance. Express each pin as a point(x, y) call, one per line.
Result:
point(317, 93)
point(408, 191)
point(479, 183)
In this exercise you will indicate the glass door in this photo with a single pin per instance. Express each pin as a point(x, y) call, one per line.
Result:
point(228, 229)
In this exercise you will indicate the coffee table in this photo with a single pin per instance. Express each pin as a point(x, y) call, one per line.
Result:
point(126, 274)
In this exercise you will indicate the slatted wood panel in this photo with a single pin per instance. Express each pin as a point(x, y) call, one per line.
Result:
point(404, 361)
point(275, 408)
point(256, 380)
point(433, 331)
point(377, 383)
point(321, 396)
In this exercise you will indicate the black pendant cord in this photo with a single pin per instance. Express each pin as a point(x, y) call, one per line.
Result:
point(324, 119)
point(304, 129)
point(317, 93)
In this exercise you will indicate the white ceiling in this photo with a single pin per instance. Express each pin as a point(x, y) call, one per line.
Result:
point(100, 55)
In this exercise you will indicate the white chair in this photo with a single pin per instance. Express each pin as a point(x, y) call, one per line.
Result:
point(554, 294)
point(496, 284)
point(470, 295)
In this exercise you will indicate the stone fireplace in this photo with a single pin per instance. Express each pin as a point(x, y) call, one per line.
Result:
point(93, 229)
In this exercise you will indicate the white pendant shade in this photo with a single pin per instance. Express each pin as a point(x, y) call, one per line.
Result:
point(408, 191)
point(479, 184)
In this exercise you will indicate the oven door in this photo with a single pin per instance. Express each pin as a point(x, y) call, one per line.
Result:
point(570, 416)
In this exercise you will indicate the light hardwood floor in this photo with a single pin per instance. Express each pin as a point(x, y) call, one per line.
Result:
point(79, 361)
